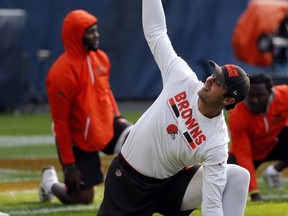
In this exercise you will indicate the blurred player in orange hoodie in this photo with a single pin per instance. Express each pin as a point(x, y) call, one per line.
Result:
point(86, 118)
point(259, 131)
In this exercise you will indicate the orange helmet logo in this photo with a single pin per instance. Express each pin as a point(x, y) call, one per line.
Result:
point(172, 130)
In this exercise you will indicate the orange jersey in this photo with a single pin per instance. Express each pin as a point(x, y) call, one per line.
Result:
point(81, 101)
point(254, 136)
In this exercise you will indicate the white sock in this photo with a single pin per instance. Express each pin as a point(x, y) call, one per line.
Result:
point(271, 170)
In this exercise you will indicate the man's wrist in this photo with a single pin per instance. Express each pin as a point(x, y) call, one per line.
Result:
point(67, 166)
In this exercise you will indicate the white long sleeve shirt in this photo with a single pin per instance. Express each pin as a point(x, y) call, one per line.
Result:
point(172, 133)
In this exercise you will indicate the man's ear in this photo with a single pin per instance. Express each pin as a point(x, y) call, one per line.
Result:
point(228, 101)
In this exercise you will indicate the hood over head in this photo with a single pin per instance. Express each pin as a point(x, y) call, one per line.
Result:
point(74, 25)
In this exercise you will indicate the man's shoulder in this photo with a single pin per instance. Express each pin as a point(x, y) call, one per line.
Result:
point(280, 90)
point(239, 116)
point(240, 108)
point(62, 69)
point(101, 53)
point(280, 99)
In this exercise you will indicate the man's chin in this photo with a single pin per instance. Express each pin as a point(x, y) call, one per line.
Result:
point(257, 111)
point(92, 47)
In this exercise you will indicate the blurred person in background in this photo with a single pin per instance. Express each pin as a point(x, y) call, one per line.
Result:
point(86, 118)
point(259, 132)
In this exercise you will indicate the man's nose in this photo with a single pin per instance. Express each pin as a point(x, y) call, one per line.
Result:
point(212, 80)
point(96, 34)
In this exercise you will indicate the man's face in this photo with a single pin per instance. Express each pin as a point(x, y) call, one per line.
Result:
point(258, 98)
point(91, 38)
point(212, 92)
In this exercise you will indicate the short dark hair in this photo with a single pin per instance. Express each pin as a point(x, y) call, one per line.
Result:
point(261, 78)
point(230, 106)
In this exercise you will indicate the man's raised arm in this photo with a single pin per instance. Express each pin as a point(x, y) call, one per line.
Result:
point(155, 31)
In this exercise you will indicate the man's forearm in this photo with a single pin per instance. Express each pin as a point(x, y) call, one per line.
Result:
point(153, 17)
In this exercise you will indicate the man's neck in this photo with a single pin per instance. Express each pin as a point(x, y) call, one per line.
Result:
point(208, 111)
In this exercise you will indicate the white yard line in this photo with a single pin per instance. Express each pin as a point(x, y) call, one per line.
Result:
point(16, 171)
point(16, 192)
point(17, 141)
point(272, 196)
point(54, 210)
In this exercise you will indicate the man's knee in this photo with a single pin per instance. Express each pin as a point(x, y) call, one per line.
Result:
point(237, 174)
point(83, 197)
point(122, 130)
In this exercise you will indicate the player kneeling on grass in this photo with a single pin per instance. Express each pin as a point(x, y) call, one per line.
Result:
point(85, 114)
point(158, 168)
point(259, 132)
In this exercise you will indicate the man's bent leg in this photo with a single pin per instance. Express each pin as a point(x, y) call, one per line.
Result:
point(193, 196)
point(237, 183)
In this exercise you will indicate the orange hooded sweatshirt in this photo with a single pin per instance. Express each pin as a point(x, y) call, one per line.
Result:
point(81, 102)
point(253, 137)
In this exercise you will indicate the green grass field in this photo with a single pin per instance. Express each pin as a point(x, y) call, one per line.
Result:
point(26, 145)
